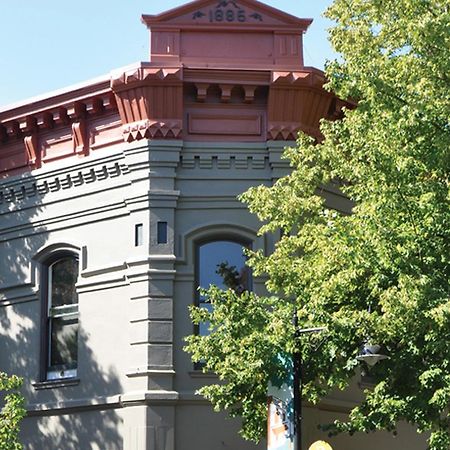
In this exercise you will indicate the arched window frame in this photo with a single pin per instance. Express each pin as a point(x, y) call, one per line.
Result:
point(50, 314)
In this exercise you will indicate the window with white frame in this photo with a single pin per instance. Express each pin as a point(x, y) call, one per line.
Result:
point(60, 317)
point(221, 263)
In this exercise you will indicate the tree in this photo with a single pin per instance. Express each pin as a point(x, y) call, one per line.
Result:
point(12, 412)
point(380, 273)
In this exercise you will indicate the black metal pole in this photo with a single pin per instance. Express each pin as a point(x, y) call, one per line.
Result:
point(297, 363)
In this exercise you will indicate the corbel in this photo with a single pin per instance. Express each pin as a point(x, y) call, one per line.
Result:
point(225, 92)
point(31, 142)
point(79, 137)
point(249, 93)
point(79, 127)
point(202, 89)
point(108, 101)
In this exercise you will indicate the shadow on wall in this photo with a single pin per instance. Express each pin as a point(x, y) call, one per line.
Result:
point(80, 416)
point(22, 234)
point(74, 417)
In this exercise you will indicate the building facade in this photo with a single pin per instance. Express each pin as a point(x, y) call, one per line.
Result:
point(115, 195)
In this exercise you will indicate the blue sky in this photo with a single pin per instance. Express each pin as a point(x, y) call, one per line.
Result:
point(50, 44)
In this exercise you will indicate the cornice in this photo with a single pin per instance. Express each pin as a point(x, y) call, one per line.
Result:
point(297, 102)
point(150, 101)
point(25, 131)
point(156, 101)
point(309, 76)
point(227, 28)
point(146, 73)
point(54, 100)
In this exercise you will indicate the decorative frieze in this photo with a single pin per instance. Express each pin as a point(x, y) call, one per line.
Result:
point(151, 129)
point(210, 161)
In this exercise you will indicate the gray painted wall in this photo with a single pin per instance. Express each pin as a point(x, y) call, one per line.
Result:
point(136, 387)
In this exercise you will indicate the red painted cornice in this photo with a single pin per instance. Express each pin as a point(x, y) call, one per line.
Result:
point(146, 73)
point(55, 100)
point(297, 102)
point(150, 101)
point(25, 128)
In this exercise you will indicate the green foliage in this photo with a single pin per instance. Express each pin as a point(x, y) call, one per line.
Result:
point(247, 333)
point(381, 271)
point(11, 413)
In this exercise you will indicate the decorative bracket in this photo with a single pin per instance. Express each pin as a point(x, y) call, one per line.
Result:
point(79, 128)
point(31, 142)
point(79, 137)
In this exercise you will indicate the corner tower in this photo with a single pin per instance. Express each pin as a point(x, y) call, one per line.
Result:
point(224, 70)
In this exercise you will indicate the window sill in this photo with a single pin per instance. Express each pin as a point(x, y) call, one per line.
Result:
point(50, 384)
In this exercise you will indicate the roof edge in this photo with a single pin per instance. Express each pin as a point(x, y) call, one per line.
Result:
point(48, 99)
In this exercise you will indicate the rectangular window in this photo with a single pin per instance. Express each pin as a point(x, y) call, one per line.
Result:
point(138, 235)
point(162, 233)
point(61, 334)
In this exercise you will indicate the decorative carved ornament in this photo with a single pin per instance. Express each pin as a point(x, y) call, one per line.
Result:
point(148, 129)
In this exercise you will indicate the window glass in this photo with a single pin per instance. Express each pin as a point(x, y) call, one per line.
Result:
point(62, 319)
point(64, 342)
point(63, 276)
point(221, 263)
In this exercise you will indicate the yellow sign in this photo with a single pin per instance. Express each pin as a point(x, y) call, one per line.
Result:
point(320, 445)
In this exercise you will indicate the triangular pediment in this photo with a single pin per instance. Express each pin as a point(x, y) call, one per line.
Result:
point(229, 13)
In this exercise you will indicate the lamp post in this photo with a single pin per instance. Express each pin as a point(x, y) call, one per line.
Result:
point(298, 385)
point(370, 354)
point(298, 378)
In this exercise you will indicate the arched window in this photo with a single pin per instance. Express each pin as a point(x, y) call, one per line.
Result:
point(60, 317)
point(221, 262)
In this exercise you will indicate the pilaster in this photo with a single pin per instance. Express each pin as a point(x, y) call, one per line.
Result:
point(150, 396)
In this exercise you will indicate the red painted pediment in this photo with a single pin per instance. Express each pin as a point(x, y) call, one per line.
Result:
point(229, 13)
point(238, 34)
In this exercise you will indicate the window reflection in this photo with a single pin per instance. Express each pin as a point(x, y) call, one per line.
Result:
point(63, 276)
point(221, 263)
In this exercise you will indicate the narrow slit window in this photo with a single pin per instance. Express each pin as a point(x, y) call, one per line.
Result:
point(138, 234)
point(162, 232)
